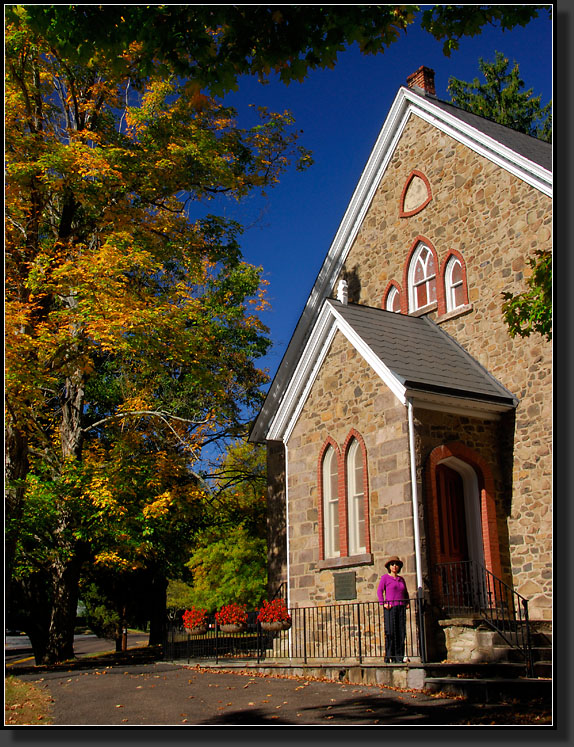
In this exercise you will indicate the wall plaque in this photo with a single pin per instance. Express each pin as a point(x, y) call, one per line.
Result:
point(345, 585)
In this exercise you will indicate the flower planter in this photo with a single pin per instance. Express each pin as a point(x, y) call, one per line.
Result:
point(232, 628)
point(276, 625)
point(202, 630)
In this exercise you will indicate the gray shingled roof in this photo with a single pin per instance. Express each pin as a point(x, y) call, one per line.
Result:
point(535, 150)
point(421, 355)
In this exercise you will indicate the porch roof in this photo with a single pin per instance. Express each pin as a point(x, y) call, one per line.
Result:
point(421, 355)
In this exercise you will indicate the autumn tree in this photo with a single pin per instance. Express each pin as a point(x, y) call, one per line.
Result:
point(124, 311)
point(215, 44)
point(501, 99)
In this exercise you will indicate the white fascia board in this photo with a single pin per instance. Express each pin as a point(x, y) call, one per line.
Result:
point(528, 171)
point(383, 371)
point(309, 365)
point(302, 379)
point(457, 405)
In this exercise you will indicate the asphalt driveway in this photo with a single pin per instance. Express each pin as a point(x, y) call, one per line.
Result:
point(137, 691)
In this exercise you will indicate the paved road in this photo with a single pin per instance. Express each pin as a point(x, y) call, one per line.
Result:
point(140, 691)
point(18, 650)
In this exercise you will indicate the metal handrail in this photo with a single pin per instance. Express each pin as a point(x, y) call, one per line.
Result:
point(467, 586)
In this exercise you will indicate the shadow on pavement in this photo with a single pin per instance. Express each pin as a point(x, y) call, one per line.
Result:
point(136, 656)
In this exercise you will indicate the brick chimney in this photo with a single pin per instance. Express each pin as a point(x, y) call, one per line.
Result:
point(423, 78)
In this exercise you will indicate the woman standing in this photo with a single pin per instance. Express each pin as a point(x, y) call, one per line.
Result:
point(393, 595)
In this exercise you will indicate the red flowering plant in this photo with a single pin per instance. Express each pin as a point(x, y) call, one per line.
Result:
point(194, 618)
point(232, 614)
point(274, 611)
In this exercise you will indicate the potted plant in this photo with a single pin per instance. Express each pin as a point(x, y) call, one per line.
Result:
point(274, 615)
point(232, 618)
point(195, 621)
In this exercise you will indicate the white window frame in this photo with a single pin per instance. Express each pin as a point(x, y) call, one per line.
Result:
point(427, 279)
point(356, 500)
point(392, 294)
point(450, 286)
point(330, 475)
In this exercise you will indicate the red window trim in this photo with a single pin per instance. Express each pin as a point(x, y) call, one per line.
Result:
point(439, 287)
point(441, 297)
point(342, 491)
point(390, 285)
point(407, 214)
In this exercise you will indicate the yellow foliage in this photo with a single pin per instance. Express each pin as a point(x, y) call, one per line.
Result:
point(160, 507)
point(111, 559)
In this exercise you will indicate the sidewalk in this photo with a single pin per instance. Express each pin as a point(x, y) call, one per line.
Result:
point(134, 689)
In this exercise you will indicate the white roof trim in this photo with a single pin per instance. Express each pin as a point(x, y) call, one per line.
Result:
point(310, 362)
point(532, 173)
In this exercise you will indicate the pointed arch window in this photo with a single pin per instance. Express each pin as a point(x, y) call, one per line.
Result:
point(393, 300)
point(330, 484)
point(422, 278)
point(357, 533)
point(455, 291)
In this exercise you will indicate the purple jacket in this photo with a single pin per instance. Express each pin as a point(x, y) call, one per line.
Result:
point(392, 590)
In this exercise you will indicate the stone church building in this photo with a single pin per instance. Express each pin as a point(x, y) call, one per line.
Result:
point(404, 420)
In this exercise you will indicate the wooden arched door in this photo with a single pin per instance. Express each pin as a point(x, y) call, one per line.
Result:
point(452, 518)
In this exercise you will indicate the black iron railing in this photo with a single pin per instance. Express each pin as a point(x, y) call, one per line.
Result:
point(469, 588)
point(352, 632)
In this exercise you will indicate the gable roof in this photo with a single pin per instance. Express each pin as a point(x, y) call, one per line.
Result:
point(527, 158)
point(412, 356)
point(421, 355)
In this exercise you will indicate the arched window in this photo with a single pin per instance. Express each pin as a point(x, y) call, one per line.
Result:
point(330, 480)
point(422, 278)
point(356, 499)
point(454, 284)
point(393, 300)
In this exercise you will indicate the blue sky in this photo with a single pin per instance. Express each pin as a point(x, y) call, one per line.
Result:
point(340, 113)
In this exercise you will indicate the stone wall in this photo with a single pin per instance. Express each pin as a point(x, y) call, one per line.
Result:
point(346, 395)
point(495, 221)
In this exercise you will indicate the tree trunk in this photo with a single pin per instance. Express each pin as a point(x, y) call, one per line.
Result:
point(16, 470)
point(158, 609)
point(65, 580)
point(65, 571)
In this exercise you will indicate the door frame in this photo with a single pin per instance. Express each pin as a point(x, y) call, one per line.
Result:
point(479, 487)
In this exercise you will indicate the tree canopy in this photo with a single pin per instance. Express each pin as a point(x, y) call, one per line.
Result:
point(502, 99)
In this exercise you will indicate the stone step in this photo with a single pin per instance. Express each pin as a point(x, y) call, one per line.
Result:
point(475, 670)
point(492, 689)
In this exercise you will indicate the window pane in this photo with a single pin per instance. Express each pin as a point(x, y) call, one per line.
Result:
point(432, 290)
point(456, 274)
point(421, 295)
point(331, 503)
point(393, 301)
point(419, 274)
point(458, 293)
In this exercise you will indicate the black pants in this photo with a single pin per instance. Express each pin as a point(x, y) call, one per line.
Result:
point(395, 632)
